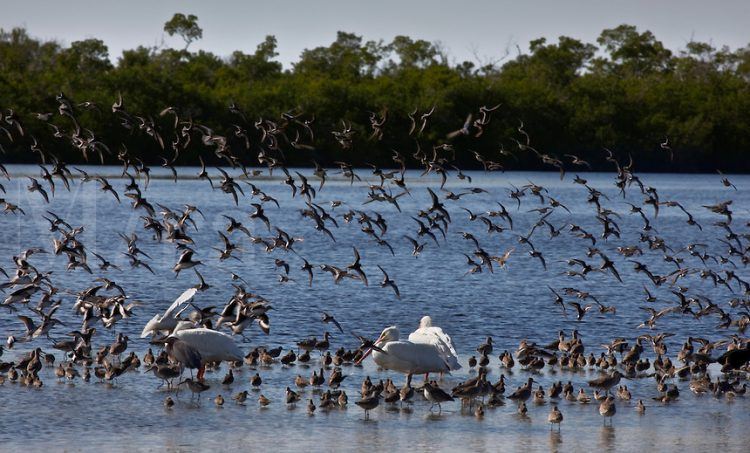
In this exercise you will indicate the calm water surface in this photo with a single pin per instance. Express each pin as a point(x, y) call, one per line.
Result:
point(510, 305)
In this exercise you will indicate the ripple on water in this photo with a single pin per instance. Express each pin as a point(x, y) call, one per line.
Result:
point(510, 304)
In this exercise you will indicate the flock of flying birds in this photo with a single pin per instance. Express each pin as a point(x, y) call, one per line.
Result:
point(31, 296)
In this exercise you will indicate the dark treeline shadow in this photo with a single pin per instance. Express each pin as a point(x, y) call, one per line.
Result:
point(683, 111)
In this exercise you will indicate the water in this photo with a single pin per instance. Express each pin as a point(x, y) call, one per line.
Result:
point(509, 304)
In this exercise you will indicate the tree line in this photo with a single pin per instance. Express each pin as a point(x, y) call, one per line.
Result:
point(669, 111)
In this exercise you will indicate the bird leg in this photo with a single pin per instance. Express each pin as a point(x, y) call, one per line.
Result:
point(201, 372)
point(408, 379)
point(426, 377)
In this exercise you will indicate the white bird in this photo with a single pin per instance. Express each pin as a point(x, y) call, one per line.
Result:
point(404, 356)
point(429, 334)
point(213, 346)
point(168, 321)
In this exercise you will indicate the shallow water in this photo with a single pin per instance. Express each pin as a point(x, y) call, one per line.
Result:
point(510, 304)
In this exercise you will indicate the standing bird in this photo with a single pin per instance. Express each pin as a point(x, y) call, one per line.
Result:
point(369, 403)
point(182, 353)
point(436, 395)
point(213, 346)
point(291, 396)
point(429, 334)
point(404, 356)
point(196, 387)
point(607, 408)
point(555, 417)
point(606, 382)
point(241, 397)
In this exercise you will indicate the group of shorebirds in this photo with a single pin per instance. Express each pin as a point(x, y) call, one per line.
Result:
point(200, 337)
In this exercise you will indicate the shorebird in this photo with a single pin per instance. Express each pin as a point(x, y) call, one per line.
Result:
point(606, 382)
point(291, 396)
point(486, 347)
point(326, 318)
point(196, 387)
point(369, 403)
point(555, 417)
point(435, 395)
point(607, 408)
point(185, 262)
point(240, 397)
point(523, 392)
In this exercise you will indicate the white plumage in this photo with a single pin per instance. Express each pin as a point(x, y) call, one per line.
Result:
point(168, 320)
point(429, 334)
point(213, 346)
point(407, 357)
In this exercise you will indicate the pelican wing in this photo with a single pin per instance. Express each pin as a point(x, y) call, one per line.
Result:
point(167, 321)
point(408, 357)
point(151, 326)
point(212, 345)
point(441, 341)
point(184, 297)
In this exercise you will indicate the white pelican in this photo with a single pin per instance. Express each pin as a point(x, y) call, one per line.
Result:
point(168, 321)
point(404, 356)
point(429, 334)
point(213, 346)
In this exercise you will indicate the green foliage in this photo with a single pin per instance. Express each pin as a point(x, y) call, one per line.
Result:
point(626, 92)
point(185, 26)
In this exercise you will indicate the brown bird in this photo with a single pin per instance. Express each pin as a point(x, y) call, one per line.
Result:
point(607, 408)
point(369, 403)
point(555, 417)
point(606, 382)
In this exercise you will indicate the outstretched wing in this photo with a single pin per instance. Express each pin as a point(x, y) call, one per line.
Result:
point(184, 297)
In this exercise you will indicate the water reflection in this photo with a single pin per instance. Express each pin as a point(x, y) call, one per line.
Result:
point(555, 439)
point(607, 437)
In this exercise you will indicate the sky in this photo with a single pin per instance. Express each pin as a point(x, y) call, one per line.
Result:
point(477, 30)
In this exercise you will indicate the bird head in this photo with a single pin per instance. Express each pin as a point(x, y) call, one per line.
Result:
point(389, 334)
